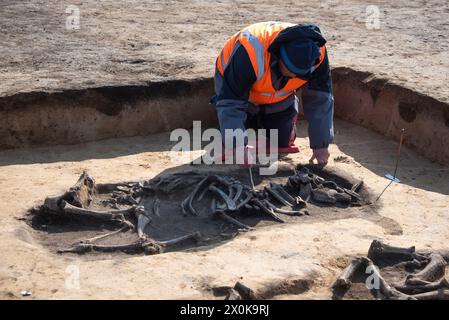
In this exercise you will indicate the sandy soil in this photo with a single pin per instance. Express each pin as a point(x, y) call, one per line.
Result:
point(305, 259)
point(136, 41)
point(133, 42)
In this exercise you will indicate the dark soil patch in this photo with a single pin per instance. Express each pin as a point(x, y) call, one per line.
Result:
point(57, 232)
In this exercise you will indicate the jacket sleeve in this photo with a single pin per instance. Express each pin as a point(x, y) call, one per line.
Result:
point(232, 91)
point(318, 105)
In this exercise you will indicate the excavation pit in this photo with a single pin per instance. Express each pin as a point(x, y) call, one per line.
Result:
point(156, 216)
point(130, 142)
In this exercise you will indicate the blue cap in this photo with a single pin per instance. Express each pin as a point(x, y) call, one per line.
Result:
point(299, 56)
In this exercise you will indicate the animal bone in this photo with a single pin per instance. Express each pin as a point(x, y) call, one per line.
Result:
point(379, 250)
point(183, 206)
point(384, 287)
point(173, 185)
point(195, 236)
point(203, 193)
point(356, 186)
point(295, 200)
point(138, 246)
point(233, 221)
point(188, 200)
point(245, 201)
point(345, 278)
point(434, 270)
point(195, 191)
point(433, 295)
point(305, 191)
point(283, 193)
point(415, 289)
point(287, 212)
point(323, 197)
point(149, 246)
point(265, 209)
point(229, 202)
point(102, 236)
point(233, 295)
point(353, 194)
point(142, 221)
point(278, 197)
point(99, 215)
point(238, 193)
point(80, 194)
point(156, 206)
point(340, 197)
point(331, 185)
point(245, 292)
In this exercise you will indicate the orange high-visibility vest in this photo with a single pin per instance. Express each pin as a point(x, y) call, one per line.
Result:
point(256, 39)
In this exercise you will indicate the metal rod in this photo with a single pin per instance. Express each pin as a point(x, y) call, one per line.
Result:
point(251, 178)
point(401, 140)
point(399, 152)
point(384, 190)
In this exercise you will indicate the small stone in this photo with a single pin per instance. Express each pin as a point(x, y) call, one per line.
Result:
point(25, 293)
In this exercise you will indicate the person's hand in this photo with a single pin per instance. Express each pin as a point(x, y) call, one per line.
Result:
point(321, 155)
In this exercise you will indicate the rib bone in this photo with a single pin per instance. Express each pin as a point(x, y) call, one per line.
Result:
point(278, 197)
point(265, 209)
point(195, 235)
point(233, 221)
point(229, 202)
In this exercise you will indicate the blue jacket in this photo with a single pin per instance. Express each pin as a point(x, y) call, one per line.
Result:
point(232, 89)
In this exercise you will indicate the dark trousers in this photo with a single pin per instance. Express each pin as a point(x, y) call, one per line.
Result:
point(284, 121)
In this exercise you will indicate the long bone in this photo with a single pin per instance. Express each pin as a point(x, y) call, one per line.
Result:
point(137, 246)
point(433, 295)
point(111, 215)
point(344, 281)
point(379, 250)
point(280, 210)
point(434, 270)
point(106, 235)
point(149, 246)
point(415, 289)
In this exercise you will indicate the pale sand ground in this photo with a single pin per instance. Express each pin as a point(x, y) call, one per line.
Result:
point(133, 41)
point(416, 212)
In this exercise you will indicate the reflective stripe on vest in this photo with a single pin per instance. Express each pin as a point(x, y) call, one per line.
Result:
point(258, 48)
point(277, 94)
